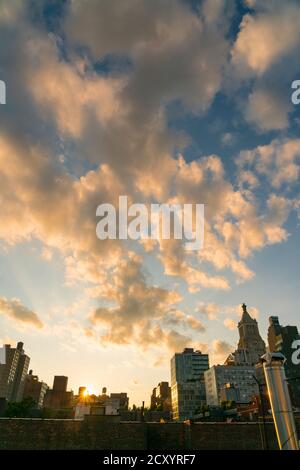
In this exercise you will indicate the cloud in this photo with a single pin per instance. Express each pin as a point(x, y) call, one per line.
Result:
point(70, 94)
point(211, 310)
point(75, 136)
point(268, 109)
point(230, 324)
point(15, 310)
point(214, 311)
point(173, 258)
point(248, 178)
point(35, 209)
point(10, 12)
point(195, 324)
point(228, 138)
point(267, 36)
point(111, 123)
point(157, 37)
point(139, 311)
point(220, 350)
point(264, 62)
point(46, 254)
point(278, 161)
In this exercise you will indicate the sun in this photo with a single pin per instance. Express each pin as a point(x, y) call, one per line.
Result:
point(88, 391)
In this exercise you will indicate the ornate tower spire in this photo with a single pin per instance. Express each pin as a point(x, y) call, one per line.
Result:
point(245, 316)
point(250, 342)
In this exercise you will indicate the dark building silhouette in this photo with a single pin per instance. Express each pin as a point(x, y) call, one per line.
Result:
point(35, 389)
point(161, 397)
point(13, 373)
point(283, 339)
point(58, 397)
point(60, 383)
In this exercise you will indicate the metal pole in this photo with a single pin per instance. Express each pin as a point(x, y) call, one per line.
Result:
point(142, 412)
point(280, 401)
point(265, 439)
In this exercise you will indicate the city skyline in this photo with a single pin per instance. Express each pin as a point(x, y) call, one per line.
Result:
point(163, 102)
point(93, 388)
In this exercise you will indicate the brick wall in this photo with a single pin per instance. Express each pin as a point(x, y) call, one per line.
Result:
point(105, 435)
point(70, 434)
point(170, 436)
point(233, 436)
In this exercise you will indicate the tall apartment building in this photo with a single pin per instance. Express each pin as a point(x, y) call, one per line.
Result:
point(284, 339)
point(161, 397)
point(187, 383)
point(35, 389)
point(13, 373)
point(240, 378)
point(58, 397)
point(60, 383)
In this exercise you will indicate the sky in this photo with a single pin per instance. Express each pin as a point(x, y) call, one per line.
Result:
point(165, 101)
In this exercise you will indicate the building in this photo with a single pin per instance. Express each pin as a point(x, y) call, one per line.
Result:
point(58, 397)
point(161, 397)
point(60, 383)
point(103, 404)
point(230, 393)
point(81, 410)
point(122, 398)
point(114, 402)
point(283, 339)
point(84, 396)
point(35, 389)
point(261, 379)
point(251, 346)
point(82, 392)
point(240, 378)
point(187, 383)
point(13, 373)
point(234, 380)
